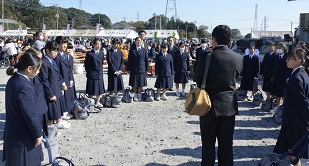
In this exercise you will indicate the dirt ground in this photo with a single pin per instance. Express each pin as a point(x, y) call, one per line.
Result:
point(155, 133)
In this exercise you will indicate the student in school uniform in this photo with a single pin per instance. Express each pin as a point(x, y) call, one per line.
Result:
point(138, 64)
point(281, 72)
point(250, 72)
point(115, 65)
point(182, 69)
point(256, 51)
point(23, 133)
point(295, 113)
point(94, 68)
point(201, 51)
point(69, 56)
point(64, 66)
point(38, 85)
point(267, 68)
point(164, 69)
point(53, 86)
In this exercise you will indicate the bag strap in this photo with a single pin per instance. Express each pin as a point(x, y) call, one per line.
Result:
point(66, 160)
point(289, 151)
point(206, 71)
point(47, 146)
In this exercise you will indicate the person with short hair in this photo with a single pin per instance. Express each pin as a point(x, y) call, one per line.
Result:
point(115, 65)
point(224, 68)
point(54, 86)
point(256, 51)
point(281, 72)
point(138, 65)
point(249, 73)
point(94, 72)
point(39, 40)
point(164, 72)
point(267, 68)
point(295, 110)
point(181, 64)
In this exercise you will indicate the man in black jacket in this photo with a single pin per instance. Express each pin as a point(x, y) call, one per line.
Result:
point(225, 66)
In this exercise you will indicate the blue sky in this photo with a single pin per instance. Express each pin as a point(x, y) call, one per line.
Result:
point(238, 14)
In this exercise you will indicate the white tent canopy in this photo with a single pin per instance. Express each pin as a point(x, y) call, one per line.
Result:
point(14, 33)
point(161, 34)
point(56, 32)
point(258, 34)
point(77, 32)
point(118, 33)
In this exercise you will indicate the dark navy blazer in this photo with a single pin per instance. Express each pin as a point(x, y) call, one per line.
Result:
point(51, 79)
point(23, 121)
point(181, 62)
point(115, 61)
point(164, 65)
point(295, 112)
point(41, 102)
point(138, 61)
point(64, 67)
point(94, 64)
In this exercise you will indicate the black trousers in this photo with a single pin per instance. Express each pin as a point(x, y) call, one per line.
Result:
point(221, 128)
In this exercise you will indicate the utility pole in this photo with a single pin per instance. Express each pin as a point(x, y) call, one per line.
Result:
point(99, 18)
point(3, 15)
point(155, 17)
point(160, 22)
point(186, 31)
point(195, 28)
point(72, 23)
point(57, 15)
point(137, 16)
point(264, 23)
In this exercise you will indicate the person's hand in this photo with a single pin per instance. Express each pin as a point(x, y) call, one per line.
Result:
point(156, 76)
point(64, 87)
point(71, 84)
point(129, 72)
point(38, 141)
point(54, 98)
point(117, 73)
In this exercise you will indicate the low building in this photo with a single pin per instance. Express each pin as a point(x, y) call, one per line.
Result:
point(122, 25)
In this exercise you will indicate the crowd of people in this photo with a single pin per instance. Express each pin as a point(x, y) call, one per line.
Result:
point(44, 80)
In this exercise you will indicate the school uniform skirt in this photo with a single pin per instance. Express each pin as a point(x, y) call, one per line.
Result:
point(247, 83)
point(267, 83)
point(181, 78)
point(56, 108)
point(115, 83)
point(277, 87)
point(288, 137)
point(164, 82)
point(68, 100)
point(95, 87)
point(137, 80)
point(21, 155)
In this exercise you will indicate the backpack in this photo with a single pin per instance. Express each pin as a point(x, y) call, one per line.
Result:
point(50, 146)
point(271, 158)
point(110, 101)
point(240, 94)
point(81, 111)
point(257, 98)
point(51, 149)
point(127, 96)
point(148, 95)
point(192, 86)
point(268, 104)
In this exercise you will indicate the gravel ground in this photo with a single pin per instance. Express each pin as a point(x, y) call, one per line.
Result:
point(155, 133)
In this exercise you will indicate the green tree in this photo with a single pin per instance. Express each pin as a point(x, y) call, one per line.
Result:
point(236, 34)
point(105, 21)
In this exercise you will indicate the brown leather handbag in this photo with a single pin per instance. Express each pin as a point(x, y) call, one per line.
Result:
point(197, 100)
